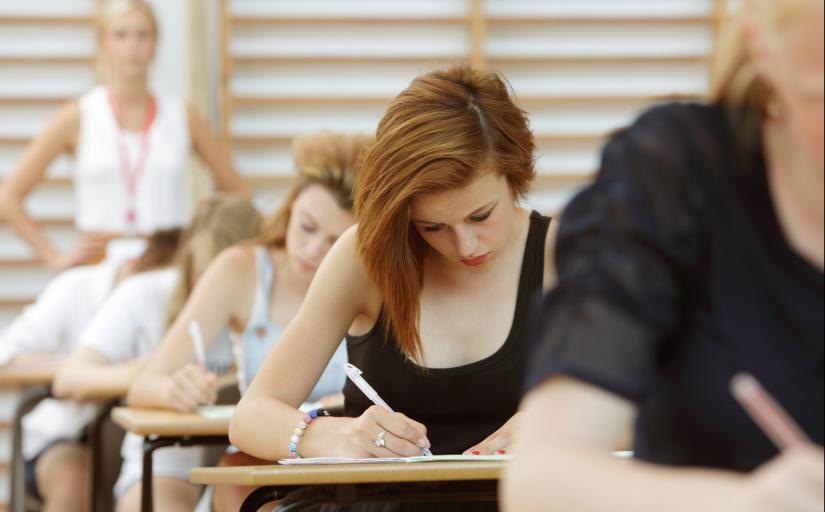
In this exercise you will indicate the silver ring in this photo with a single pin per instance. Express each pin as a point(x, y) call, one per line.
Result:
point(379, 441)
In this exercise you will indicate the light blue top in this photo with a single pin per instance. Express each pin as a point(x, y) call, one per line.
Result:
point(260, 335)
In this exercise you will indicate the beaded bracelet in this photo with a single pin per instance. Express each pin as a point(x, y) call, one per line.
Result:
point(300, 428)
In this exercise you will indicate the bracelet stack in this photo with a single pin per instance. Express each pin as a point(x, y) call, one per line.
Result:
point(300, 428)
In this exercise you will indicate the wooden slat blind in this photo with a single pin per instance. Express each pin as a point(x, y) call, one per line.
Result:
point(46, 55)
point(581, 69)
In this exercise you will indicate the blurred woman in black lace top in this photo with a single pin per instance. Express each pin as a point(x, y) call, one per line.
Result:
point(696, 254)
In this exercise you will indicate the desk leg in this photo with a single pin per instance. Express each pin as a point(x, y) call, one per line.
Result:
point(101, 499)
point(149, 446)
point(154, 443)
point(27, 401)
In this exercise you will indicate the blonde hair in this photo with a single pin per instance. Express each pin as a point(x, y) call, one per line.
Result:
point(111, 9)
point(327, 159)
point(735, 81)
point(221, 220)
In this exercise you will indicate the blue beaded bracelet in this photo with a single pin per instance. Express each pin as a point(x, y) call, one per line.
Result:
point(300, 428)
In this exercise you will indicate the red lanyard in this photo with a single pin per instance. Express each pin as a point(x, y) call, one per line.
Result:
point(131, 176)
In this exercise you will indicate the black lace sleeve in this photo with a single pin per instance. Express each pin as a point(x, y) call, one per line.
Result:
point(628, 253)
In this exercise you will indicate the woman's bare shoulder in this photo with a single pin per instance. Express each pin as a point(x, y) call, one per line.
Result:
point(353, 275)
point(236, 264)
point(64, 126)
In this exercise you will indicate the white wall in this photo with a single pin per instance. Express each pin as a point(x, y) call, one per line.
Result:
point(170, 73)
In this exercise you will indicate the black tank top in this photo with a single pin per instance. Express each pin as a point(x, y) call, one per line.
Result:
point(460, 406)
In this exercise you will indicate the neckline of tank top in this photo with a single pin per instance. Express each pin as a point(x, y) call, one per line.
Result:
point(506, 348)
point(751, 172)
point(132, 134)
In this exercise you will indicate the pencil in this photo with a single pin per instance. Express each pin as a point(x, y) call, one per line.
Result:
point(766, 412)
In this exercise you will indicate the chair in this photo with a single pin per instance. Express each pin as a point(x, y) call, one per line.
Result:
point(227, 395)
point(19, 500)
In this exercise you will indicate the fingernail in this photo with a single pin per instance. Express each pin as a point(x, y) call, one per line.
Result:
point(422, 443)
point(475, 452)
point(501, 452)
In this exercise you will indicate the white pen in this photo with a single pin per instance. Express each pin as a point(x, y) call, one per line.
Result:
point(197, 342)
point(354, 375)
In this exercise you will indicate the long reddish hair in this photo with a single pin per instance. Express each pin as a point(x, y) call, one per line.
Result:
point(439, 134)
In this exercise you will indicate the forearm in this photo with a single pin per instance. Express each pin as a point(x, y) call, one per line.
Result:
point(233, 183)
point(263, 426)
point(558, 479)
point(215, 154)
point(150, 389)
point(13, 213)
point(87, 382)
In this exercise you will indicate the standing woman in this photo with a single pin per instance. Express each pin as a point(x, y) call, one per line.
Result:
point(696, 255)
point(266, 283)
point(431, 289)
point(131, 149)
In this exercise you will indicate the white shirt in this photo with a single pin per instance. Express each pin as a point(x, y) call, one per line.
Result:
point(101, 198)
point(129, 325)
point(132, 322)
point(52, 324)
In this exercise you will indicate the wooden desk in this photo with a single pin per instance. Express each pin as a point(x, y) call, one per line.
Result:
point(308, 486)
point(161, 428)
point(33, 374)
point(162, 423)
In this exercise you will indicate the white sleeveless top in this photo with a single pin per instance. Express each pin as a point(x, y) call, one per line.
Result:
point(101, 199)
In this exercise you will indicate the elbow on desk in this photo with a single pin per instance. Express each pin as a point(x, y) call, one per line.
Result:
point(239, 428)
point(235, 428)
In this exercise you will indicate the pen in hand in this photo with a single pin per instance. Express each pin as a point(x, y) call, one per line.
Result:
point(197, 343)
point(766, 412)
point(354, 375)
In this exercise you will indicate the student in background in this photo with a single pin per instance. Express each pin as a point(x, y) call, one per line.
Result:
point(431, 289)
point(697, 254)
point(131, 150)
point(116, 343)
point(52, 432)
point(265, 283)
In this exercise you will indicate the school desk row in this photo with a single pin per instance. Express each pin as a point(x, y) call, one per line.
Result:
point(301, 486)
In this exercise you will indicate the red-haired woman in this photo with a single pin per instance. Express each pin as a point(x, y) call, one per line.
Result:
point(431, 289)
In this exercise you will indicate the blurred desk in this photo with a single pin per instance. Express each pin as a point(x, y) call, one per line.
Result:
point(161, 428)
point(303, 487)
point(33, 374)
point(30, 369)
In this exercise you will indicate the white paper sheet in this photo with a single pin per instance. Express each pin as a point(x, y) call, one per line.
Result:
point(216, 412)
point(378, 460)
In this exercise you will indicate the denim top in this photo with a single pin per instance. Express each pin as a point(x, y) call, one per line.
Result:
point(260, 335)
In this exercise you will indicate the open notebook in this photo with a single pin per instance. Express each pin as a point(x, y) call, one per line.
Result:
point(216, 412)
point(434, 458)
point(378, 460)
